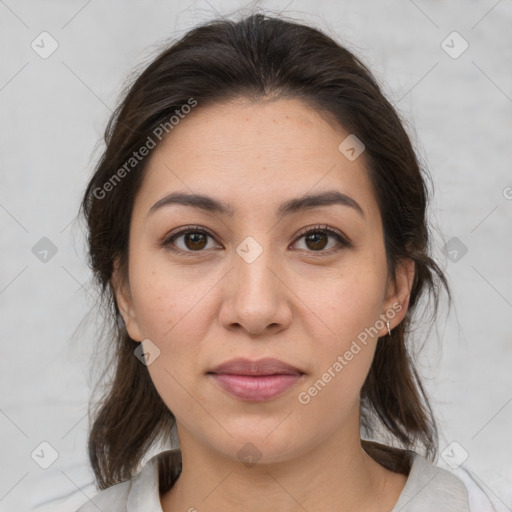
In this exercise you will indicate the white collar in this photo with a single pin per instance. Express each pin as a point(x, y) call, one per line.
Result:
point(428, 488)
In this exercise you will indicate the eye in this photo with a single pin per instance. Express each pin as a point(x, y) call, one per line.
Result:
point(317, 238)
point(195, 239)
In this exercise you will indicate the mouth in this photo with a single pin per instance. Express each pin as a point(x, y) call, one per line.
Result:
point(261, 367)
point(256, 381)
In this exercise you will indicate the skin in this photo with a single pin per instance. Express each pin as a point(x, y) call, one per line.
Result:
point(294, 303)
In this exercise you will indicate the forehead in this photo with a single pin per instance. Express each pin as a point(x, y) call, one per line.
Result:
point(254, 154)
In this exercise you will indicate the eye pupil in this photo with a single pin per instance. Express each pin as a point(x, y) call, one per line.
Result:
point(314, 238)
point(195, 238)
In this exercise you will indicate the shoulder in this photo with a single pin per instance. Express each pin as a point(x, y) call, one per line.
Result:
point(139, 493)
point(113, 499)
point(430, 487)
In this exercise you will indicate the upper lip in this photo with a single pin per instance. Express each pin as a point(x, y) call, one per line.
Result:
point(266, 366)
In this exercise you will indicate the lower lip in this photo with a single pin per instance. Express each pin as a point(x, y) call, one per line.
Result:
point(256, 388)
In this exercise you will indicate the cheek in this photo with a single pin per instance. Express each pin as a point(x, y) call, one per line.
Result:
point(174, 310)
point(337, 386)
point(344, 322)
point(343, 357)
point(171, 312)
point(166, 299)
point(342, 304)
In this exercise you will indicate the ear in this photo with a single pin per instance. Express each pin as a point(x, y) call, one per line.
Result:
point(121, 288)
point(398, 292)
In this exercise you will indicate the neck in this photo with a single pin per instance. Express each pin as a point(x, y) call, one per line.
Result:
point(335, 475)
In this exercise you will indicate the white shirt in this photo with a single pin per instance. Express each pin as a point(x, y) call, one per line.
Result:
point(428, 489)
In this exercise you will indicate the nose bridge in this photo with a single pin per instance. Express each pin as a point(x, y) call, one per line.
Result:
point(258, 297)
point(254, 265)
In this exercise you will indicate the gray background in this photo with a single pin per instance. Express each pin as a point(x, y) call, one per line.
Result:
point(458, 112)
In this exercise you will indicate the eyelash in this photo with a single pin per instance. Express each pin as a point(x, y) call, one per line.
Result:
point(324, 229)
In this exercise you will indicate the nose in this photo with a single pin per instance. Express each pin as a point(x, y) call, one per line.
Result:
point(256, 297)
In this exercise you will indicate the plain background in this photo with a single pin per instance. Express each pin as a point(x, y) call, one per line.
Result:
point(458, 112)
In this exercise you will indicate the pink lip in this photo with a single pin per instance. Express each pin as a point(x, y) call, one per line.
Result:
point(255, 388)
point(256, 380)
point(266, 366)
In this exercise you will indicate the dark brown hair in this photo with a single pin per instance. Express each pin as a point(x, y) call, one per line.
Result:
point(259, 58)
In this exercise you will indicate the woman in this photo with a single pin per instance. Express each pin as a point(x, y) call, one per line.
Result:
point(257, 225)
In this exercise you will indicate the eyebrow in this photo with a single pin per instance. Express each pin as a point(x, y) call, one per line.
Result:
point(212, 205)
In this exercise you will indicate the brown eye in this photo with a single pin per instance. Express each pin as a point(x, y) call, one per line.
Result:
point(317, 239)
point(195, 241)
point(191, 240)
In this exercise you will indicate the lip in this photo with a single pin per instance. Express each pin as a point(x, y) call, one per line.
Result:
point(259, 380)
point(266, 366)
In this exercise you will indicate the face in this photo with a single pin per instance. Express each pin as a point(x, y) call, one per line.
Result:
point(301, 284)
